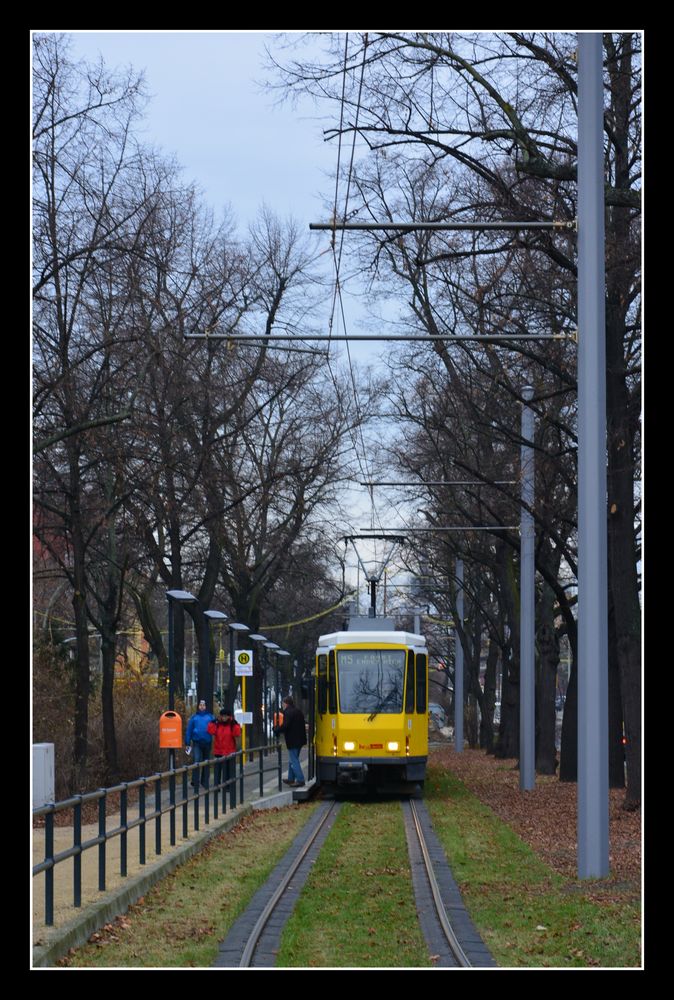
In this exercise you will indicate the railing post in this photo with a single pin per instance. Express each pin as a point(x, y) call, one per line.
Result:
point(185, 803)
point(280, 766)
point(231, 777)
point(261, 759)
point(217, 778)
point(123, 820)
point(77, 859)
point(49, 873)
point(141, 825)
point(242, 761)
point(157, 808)
point(207, 799)
point(172, 813)
point(102, 802)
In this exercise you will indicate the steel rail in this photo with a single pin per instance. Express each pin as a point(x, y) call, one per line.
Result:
point(262, 920)
point(448, 931)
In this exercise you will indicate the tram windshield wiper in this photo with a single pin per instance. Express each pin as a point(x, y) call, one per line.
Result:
point(382, 704)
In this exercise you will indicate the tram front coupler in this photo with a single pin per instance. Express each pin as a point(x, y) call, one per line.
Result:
point(351, 772)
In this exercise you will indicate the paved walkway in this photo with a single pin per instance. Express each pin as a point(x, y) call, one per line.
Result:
point(73, 926)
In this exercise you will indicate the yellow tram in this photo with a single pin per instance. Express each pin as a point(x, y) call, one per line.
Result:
point(371, 708)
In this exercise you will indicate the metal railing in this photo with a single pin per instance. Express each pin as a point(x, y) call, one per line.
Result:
point(163, 798)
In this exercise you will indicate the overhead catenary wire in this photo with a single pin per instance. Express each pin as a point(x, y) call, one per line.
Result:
point(557, 225)
point(267, 628)
point(337, 259)
point(457, 338)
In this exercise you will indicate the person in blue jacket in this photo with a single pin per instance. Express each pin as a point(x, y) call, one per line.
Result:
point(198, 742)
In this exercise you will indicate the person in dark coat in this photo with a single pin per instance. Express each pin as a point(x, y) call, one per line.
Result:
point(294, 730)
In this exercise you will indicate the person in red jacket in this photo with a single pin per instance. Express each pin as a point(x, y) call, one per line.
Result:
point(225, 730)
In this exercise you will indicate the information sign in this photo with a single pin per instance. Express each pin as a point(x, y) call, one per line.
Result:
point(243, 663)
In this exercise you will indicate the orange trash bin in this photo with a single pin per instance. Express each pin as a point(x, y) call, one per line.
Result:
point(170, 731)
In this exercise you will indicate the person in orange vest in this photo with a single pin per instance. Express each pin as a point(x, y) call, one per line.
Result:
point(225, 730)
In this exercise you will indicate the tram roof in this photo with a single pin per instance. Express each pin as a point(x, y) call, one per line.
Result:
point(362, 635)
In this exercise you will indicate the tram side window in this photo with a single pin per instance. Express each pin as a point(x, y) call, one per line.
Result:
point(409, 683)
point(322, 684)
point(332, 684)
point(421, 682)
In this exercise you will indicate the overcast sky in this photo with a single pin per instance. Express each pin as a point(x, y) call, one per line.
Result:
point(209, 110)
point(241, 148)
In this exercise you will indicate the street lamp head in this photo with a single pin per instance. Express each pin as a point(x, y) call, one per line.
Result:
point(282, 652)
point(182, 596)
point(216, 616)
point(237, 627)
point(257, 637)
point(272, 645)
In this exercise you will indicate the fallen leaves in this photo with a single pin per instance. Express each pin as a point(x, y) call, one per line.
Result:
point(546, 818)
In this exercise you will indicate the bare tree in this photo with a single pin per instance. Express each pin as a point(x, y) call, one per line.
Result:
point(485, 126)
point(87, 208)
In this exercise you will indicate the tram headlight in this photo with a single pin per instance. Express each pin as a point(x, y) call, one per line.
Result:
point(393, 746)
point(349, 745)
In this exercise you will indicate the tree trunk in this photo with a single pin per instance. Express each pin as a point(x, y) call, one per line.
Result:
point(568, 762)
point(509, 726)
point(82, 679)
point(623, 409)
point(616, 750)
point(623, 583)
point(546, 685)
point(108, 652)
point(487, 721)
point(82, 691)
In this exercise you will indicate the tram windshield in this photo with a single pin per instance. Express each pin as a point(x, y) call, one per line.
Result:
point(371, 680)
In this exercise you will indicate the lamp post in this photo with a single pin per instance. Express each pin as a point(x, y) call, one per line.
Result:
point(174, 597)
point(233, 627)
point(206, 684)
point(274, 646)
point(256, 637)
point(281, 652)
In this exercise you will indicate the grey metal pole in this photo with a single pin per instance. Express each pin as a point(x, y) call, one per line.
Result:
point(171, 668)
point(171, 659)
point(204, 678)
point(232, 679)
point(592, 525)
point(527, 603)
point(458, 663)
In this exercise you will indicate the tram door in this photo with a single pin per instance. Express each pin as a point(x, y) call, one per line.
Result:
point(321, 704)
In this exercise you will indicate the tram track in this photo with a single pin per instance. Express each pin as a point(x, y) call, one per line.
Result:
point(436, 925)
point(327, 811)
point(254, 939)
point(451, 938)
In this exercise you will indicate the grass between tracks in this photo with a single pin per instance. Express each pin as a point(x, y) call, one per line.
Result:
point(357, 908)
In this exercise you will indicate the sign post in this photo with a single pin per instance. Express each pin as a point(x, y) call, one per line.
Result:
point(243, 667)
